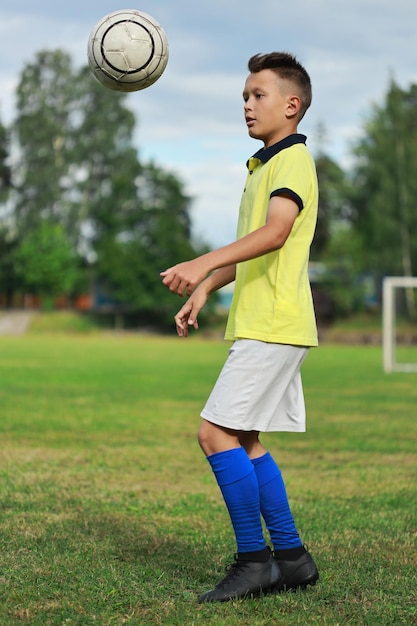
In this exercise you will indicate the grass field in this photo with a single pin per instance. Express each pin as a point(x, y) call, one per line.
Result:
point(109, 514)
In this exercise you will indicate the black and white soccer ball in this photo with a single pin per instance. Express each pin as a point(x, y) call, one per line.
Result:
point(127, 50)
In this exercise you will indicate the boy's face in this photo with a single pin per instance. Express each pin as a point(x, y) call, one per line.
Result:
point(271, 109)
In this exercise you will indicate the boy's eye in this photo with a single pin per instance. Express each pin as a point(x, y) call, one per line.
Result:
point(257, 96)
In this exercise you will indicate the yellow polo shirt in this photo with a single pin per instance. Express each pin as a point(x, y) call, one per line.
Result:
point(272, 299)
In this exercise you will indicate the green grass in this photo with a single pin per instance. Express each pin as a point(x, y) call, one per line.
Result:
point(61, 322)
point(109, 514)
point(366, 328)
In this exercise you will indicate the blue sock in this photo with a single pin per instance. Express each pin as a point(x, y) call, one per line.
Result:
point(274, 504)
point(236, 478)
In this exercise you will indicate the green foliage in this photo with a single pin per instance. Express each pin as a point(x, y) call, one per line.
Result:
point(44, 96)
point(78, 169)
point(334, 208)
point(385, 180)
point(49, 322)
point(367, 222)
point(107, 166)
point(47, 262)
point(5, 171)
point(342, 260)
point(150, 237)
point(335, 245)
point(9, 280)
point(110, 514)
point(127, 220)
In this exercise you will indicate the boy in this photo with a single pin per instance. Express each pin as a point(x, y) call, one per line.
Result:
point(272, 325)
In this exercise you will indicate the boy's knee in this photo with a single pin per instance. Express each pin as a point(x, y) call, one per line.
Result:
point(208, 436)
point(203, 436)
point(213, 438)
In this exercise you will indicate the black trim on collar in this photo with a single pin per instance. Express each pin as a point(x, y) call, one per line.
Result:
point(264, 154)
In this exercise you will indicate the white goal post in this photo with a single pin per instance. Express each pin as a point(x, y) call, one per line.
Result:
point(390, 284)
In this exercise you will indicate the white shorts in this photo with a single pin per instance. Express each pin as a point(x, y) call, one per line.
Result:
point(259, 388)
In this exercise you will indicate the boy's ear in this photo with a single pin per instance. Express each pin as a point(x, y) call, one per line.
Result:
point(293, 106)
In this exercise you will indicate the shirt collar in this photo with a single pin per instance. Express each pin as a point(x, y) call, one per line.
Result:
point(264, 154)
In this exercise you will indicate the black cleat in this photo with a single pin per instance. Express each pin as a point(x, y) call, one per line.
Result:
point(245, 579)
point(298, 574)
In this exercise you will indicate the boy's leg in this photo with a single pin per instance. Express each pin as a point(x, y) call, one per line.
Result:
point(274, 504)
point(254, 570)
point(296, 564)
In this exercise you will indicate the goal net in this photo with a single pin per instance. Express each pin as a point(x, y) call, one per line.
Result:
point(399, 293)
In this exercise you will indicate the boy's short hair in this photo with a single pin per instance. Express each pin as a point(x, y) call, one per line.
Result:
point(287, 67)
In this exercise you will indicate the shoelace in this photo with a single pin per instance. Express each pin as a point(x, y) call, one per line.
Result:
point(232, 572)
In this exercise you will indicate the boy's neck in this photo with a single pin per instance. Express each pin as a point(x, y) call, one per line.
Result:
point(279, 136)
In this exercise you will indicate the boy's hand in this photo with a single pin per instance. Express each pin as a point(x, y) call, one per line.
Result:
point(184, 277)
point(187, 315)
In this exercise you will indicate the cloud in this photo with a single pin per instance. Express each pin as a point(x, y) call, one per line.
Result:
point(216, 189)
point(191, 121)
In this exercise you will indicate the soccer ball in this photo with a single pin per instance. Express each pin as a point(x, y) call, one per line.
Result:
point(127, 50)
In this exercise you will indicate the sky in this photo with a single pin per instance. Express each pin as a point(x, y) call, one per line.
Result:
point(191, 121)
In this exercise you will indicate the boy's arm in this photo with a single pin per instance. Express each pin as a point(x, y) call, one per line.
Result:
point(282, 212)
point(187, 315)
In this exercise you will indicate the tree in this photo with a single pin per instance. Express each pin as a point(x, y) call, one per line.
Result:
point(153, 237)
point(334, 246)
point(44, 96)
point(8, 279)
point(334, 207)
point(78, 169)
point(385, 178)
point(75, 139)
point(138, 215)
point(104, 163)
point(5, 172)
point(47, 262)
